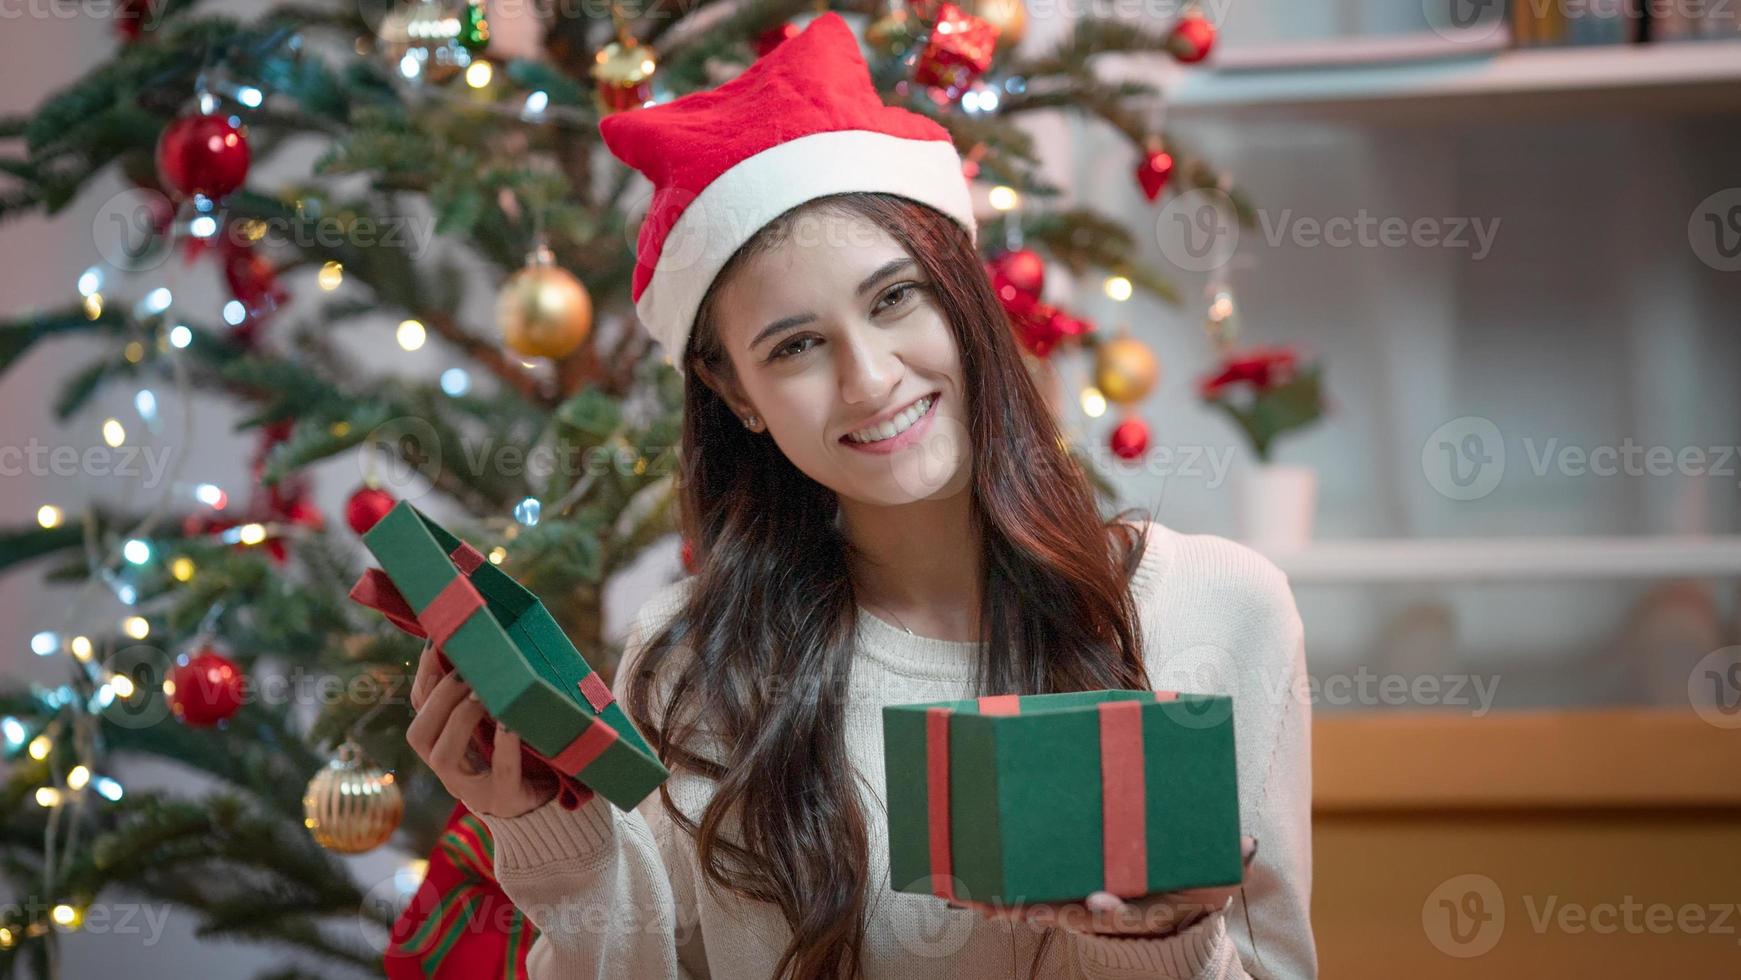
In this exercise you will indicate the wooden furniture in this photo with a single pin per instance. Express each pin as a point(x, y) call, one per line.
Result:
point(1599, 844)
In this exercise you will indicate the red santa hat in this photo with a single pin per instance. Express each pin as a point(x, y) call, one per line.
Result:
point(803, 122)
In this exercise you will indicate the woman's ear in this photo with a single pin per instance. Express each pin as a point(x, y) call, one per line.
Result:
point(725, 385)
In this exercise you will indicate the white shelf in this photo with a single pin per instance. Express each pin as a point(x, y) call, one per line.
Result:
point(1511, 559)
point(1669, 78)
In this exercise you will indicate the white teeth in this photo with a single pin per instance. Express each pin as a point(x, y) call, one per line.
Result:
point(894, 426)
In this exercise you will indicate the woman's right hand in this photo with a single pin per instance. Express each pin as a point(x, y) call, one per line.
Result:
point(446, 713)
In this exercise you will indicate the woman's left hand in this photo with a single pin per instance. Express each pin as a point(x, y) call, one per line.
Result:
point(1105, 914)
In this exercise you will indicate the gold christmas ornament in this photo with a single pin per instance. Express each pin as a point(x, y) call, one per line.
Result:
point(1125, 370)
point(623, 73)
point(543, 310)
point(1010, 17)
point(351, 806)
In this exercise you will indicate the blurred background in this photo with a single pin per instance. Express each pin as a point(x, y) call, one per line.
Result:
point(1434, 302)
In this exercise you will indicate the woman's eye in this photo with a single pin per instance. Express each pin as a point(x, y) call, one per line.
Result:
point(898, 294)
point(791, 347)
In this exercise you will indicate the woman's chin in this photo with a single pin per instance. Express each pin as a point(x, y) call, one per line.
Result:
point(907, 479)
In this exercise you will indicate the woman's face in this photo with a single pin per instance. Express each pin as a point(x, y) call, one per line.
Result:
point(840, 348)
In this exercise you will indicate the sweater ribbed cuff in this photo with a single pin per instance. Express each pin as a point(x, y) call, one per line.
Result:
point(1185, 954)
point(549, 833)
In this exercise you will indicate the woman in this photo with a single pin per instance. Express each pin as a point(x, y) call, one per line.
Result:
point(883, 513)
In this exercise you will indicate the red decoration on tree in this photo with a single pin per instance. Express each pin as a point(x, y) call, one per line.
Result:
point(1154, 170)
point(775, 36)
point(367, 506)
point(130, 18)
point(207, 688)
point(959, 50)
point(251, 277)
point(202, 154)
point(1192, 38)
point(1131, 438)
point(1022, 270)
point(1039, 326)
point(689, 564)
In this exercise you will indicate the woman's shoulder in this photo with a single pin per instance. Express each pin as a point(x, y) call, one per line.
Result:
point(1211, 580)
point(659, 609)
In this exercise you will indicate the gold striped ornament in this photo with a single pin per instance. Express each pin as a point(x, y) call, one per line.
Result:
point(352, 806)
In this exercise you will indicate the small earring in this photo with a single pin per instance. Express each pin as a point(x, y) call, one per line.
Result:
point(751, 422)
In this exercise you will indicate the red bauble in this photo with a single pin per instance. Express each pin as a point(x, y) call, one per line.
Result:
point(775, 36)
point(367, 506)
point(1022, 270)
point(689, 564)
point(251, 277)
point(130, 18)
point(1131, 439)
point(1192, 38)
point(208, 688)
point(202, 154)
point(1154, 170)
point(960, 49)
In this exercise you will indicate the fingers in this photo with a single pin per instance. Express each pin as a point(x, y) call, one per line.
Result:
point(429, 721)
point(428, 674)
point(448, 757)
point(505, 764)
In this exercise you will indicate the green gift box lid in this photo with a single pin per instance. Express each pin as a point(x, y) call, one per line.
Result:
point(1011, 799)
point(504, 643)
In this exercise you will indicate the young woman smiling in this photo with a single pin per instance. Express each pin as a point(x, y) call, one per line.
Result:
point(883, 511)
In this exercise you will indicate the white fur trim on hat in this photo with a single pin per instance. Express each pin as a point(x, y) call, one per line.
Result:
point(734, 206)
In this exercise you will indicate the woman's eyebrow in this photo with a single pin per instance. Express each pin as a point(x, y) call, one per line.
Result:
point(783, 324)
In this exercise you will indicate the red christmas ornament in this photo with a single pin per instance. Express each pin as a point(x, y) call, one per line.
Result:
point(1131, 438)
point(689, 564)
point(1041, 327)
point(1154, 170)
point(206, 689)
point(1192, 38)
point(130, 18)
point(1022, 270)
point(775, 36)
point(958, 51)
point(367, 506)
point(251, 277)
point(202, 154)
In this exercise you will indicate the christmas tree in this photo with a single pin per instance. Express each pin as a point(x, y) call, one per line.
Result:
point(424, 107)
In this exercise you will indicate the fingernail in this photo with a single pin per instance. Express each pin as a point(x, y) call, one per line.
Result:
point(473, 696)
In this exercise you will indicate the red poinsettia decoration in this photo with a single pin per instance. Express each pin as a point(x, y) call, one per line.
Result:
point(1267, 391)
point(1261, 367)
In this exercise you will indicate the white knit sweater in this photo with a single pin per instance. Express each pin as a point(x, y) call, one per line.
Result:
point(619, 894)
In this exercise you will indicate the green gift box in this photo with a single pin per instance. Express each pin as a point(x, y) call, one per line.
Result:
point(504, 643)
point(1012, 799)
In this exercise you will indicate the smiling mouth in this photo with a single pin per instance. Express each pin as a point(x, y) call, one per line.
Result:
point(895, 426)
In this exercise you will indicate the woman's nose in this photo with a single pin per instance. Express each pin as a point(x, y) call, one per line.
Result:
point(869, 370)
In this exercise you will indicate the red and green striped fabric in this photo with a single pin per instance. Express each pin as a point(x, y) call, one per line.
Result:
point(460, 925)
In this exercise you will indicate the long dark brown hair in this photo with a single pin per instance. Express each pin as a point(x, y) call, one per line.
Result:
point(773, 600)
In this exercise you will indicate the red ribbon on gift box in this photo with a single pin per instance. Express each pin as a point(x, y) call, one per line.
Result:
point(1124, 801)
point(441, 618)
